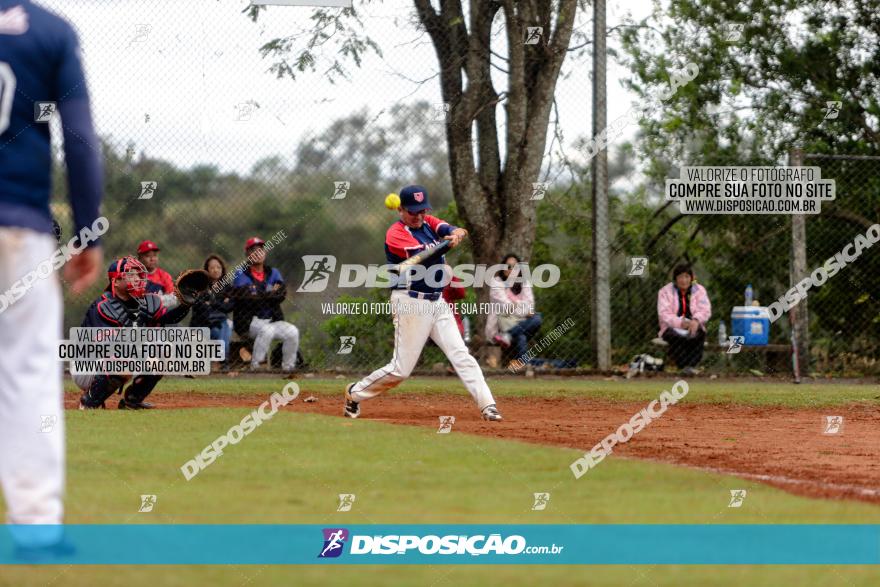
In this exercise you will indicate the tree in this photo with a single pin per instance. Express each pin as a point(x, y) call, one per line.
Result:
point(767, 71)
point(492, 192)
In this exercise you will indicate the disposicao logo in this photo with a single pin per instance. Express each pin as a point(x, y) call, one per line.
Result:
point(334, 540)
point(452, 544)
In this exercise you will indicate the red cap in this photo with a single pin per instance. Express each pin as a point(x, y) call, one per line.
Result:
point(147, 246)
point(253, 242)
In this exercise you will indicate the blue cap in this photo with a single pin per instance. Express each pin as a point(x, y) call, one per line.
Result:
point(414, 198)
point(123, 264)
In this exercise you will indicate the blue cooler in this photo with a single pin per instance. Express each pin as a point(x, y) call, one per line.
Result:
point(752, 323)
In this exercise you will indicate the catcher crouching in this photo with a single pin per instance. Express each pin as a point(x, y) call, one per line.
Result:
point(126, 303)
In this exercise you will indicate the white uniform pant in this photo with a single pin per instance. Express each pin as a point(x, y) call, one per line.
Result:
point(414, 321)
point(264, 331)
point(82, 380)
point(31, 407)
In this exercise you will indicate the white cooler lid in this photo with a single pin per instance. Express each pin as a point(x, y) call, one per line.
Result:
point(759, 312)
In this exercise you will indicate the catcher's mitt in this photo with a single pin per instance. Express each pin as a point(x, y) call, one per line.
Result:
point(193, 285)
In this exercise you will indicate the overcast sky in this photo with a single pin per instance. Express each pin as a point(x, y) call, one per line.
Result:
point(172, 76)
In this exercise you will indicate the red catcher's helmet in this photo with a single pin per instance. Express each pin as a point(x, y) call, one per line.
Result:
point(130, 274)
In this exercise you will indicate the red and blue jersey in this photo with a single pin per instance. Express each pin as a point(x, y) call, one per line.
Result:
point(108, 311)
point(402, 242)
point(40, 63)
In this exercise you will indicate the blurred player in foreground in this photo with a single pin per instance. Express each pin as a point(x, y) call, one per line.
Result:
point(419, 312)
point(125, 303)
point(40, 74)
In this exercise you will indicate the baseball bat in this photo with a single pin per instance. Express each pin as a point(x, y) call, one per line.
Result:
point(423, 255)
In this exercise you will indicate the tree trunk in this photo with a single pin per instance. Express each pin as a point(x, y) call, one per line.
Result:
point(494, 197)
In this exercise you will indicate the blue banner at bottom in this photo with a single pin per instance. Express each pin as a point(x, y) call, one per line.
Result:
point(455, 544)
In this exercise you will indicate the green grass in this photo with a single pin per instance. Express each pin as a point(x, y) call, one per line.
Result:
point(290, 470)
point(705, 391)
point(445, 576)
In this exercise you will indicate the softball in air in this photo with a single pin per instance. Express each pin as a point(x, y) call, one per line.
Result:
point(392, 201)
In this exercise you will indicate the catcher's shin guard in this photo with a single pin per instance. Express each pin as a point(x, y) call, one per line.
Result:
point(141, 386)
point(102, 387)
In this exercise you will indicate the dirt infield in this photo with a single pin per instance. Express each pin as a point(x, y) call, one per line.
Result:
point(783, 447)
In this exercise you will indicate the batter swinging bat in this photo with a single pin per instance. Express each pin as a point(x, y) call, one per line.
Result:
point(423, 255)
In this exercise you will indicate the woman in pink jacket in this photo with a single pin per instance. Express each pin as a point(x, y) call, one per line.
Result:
point(519, 323)
point(683, 308)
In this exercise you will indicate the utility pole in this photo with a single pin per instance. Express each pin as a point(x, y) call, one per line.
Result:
point(601, 302)
point(799, 318)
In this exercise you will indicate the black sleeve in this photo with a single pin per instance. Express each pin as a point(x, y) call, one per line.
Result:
point(220, 301)
point(276, 295)
point(222, 305)
point(241, 293)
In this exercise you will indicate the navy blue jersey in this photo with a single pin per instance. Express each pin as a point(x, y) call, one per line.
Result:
point(402, 242)
point(40, 64)
point(257, 297)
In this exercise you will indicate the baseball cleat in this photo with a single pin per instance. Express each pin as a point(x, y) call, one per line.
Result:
point(352, 408)
point(492, 414)
point(83, 406)
point(125, 404)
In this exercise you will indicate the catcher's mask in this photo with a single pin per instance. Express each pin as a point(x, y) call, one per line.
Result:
point(128, 274)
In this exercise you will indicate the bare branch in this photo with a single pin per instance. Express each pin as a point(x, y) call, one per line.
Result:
point(666, 227)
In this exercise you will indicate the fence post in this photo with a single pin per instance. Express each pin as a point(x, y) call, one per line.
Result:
point(601, 302)
point(799, 317)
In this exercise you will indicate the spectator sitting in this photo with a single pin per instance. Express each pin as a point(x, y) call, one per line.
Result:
point(213, 312)
point(517, 322)
point(683, 309)
point(158, 280)
point(257, 293)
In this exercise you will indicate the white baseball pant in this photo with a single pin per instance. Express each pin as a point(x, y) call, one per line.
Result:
point(414, 321)
point(31, 406)
point(82, 380)
point(264, 331)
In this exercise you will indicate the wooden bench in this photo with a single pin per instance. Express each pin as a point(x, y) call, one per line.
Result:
point(776, 357)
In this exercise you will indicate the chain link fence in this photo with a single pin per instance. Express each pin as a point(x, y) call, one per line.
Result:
point(844, 314)
point(204, 149)
point(729, 253)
